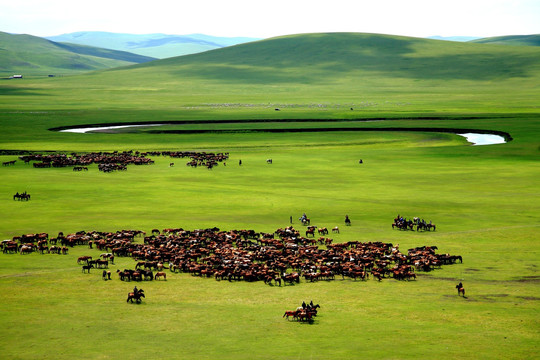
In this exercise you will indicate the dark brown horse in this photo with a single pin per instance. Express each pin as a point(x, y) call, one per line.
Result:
point(136, 295)
point(460, 289)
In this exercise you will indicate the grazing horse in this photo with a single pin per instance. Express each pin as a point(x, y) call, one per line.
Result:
point(136, 295)
point(87, 268)
point(160, 274)
point(335, 230)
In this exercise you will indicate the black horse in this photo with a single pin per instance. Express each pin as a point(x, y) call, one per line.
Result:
point(460, 289)
point(135, 295)
point(347, 220)
point(21, 197)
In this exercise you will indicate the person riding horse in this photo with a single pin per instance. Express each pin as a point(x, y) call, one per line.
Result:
point(136, 294)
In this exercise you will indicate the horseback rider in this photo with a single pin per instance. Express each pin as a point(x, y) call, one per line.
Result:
point(135, 290)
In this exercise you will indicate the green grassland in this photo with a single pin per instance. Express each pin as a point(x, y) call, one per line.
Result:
point(484, 199)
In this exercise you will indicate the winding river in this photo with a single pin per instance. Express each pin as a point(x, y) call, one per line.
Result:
point(473, 138)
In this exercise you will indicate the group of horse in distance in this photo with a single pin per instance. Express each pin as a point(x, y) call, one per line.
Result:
point(24, 196)
point(113, 161)
point(402, 223)
point(305, 312)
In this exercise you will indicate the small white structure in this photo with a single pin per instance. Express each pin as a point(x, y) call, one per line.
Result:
point(16, 77)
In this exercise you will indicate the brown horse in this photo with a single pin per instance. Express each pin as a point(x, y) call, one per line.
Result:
point(460, 290)
point(160, 274)
point(294, 314)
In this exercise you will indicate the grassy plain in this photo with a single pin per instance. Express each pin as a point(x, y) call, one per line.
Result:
point(484, 200)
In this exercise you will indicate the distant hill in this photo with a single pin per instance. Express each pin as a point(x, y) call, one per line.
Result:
point(31, 55)
point(454, 38)
point(155, 45)
point(524, 40)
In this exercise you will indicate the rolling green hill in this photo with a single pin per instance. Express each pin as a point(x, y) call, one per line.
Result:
point(525, 40)
point(315, 58)
point(368, 71)
point(31, 55)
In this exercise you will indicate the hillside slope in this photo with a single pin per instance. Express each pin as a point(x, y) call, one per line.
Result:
point(315, 71)
point(155, 45)
point(33, 55)
point(318, 58)
point(524, 40)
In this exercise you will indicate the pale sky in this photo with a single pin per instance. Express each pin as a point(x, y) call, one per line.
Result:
point(268, 18)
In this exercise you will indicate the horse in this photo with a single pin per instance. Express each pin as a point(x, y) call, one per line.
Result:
point(305, 316)
point(347, 220)
point(335, 230)
point(160, 274)
point(268, 161)
point(87, 267)
point(294, 314)
point(136, 295)
point(323, 231)
point(306, 221)
point(460, 289)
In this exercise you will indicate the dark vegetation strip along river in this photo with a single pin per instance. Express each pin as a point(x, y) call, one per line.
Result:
point(498, 136)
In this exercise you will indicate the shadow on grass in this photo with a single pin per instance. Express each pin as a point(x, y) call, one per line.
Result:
point(13, 91)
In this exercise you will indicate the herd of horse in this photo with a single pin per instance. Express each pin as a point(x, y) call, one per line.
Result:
point(280, 258)
point(114, 161)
